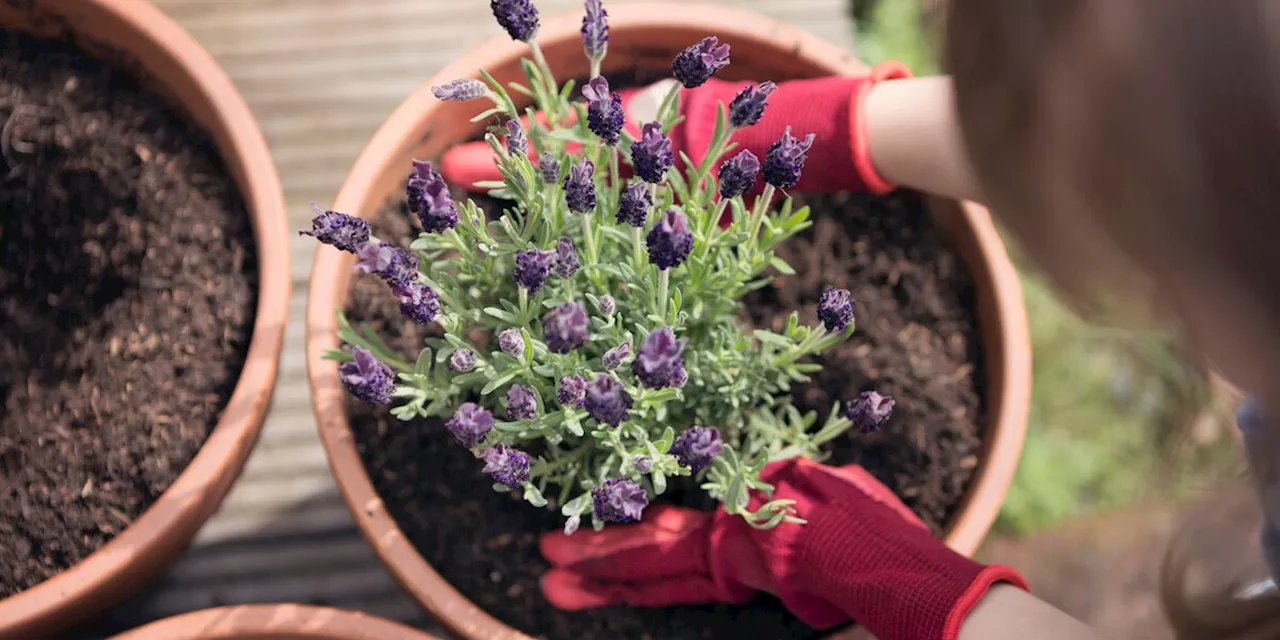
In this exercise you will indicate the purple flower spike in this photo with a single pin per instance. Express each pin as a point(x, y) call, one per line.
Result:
point(470, 424)
point(659, 363)
point(367, 378)
point(696, 64)
point(697, 447)
point(670, 241)
point(785, 160)
point(870, 411)
point(394, 265)
point(651, 154)
point(507, 465)
point(462, 361)
point(619, 501)
point(637, 200)
point(748, 106)
point(519, 18)
point(517, 141)
point(429, 199)
point(573, 391)
point(738, 174)
point(418, 302)
point(565, 263)
point(835, 309)
point(595, 30)
point(580, 187)
point(511, 342)
point(613, 358)
point(521, 403)
point(549, 167)
point(608, 306)
point(607, 401)
point(338, 229)
point(460, 90)
point(605, 117)
point(565, 328)
point(643, 464)
point(532, 269)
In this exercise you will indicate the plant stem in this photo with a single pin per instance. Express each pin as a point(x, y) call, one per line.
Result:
point(541, 61)
point(595, 68)
point(637, 254)
point(614, 183)
point(664, 281)
point(524, 306)
point(589, 235)
point(758, 213)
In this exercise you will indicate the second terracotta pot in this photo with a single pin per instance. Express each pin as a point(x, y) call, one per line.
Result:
point(274, 622)
point(641, 36)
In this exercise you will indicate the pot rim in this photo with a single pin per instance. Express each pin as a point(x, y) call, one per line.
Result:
point(155, 538)
point(274, 622)
point(1003, 315)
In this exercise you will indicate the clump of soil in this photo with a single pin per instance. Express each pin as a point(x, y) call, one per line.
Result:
point(917, 340)
point(127, 292)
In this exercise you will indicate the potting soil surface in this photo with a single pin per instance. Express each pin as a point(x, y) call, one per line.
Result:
point(917, 340)
point(127, 295)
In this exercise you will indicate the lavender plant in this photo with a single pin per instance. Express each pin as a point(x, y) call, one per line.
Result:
point(592, 343)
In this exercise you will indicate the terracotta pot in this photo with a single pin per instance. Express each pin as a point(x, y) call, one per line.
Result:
point(644, 35)
point(139, 36)
point(274, 622)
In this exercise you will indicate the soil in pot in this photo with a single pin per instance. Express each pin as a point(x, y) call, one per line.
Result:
point(917, 340)
point(127, 293)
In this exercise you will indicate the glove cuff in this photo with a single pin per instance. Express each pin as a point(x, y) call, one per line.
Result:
point(862, 162)
point(989, 577)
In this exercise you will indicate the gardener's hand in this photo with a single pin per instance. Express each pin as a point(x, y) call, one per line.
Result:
point(862, 556)
point(831, 108)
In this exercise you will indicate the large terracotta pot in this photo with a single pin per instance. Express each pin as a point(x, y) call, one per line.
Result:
point(641, 35)
point(274, 622)
point(139, 36)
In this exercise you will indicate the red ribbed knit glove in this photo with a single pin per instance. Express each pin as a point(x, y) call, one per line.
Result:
point(830, 108)
point(862, 556)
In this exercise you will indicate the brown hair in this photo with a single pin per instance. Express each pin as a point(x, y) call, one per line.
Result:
point(1132, 147)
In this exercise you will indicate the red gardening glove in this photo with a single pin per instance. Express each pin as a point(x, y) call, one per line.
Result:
point(862, 556)
point(830, 108)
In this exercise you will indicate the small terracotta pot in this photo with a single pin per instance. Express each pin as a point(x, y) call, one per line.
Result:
point(138, 36)
point(274, 622)
point(641, 35)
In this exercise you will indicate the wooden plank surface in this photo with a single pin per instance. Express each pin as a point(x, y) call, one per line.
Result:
point(321, 75)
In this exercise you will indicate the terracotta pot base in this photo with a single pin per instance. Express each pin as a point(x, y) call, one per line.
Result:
point(274, 622)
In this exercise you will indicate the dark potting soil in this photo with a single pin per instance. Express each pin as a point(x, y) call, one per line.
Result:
point(127, 291)
point(917, 340)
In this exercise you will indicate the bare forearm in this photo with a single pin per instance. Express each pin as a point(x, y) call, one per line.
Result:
point(914, 139)
point(1007, 612)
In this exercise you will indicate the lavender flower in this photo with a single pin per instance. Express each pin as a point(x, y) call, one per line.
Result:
point(835, 309)
point(571, 525)
point(429, 199)
point(565, 328)
point(338, 229)
point(670, 241)
point(367, 378)
point(605, 117)
point(580, 187)
point(643, 464)
point(748, 106)
point(549, 167)
point(607, 306)
point(651, 154)
point(738, 174)
point(519, 18)
point(607, 401)
point(613, 358)
point(573, 391)
point(696, 64)
point(507, 465)
point(470, 424)
point(418, 302)
point(620, 501)
point(460, 90)
point(636, 201)
point(462, 361)
point(659, 361)
point(511, 342)
point(595, 30)
point(680, 379)
point(521, 403)
point(517, 141)
point(785, 160)
point(870, 411)
point(565, 262)
point(696, 447)
point(396, 266)
point(532, 269)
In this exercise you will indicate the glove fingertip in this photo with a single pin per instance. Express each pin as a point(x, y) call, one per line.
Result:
point(569, 591)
